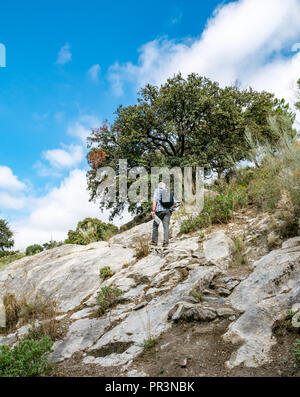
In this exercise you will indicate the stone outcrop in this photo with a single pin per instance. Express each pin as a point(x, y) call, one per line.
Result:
point(187, 281)
point(68, 274)
point(264, 297)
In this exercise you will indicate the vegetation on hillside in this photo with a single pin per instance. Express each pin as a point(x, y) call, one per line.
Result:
point(186, 122)
point(28, 358)
point(273, 186)
point(6, 236)
point(91, 230)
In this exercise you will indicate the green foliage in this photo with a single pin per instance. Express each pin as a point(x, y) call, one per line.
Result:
point(149, 343)
point(9, 256)
point(29, 358)
point(275, 185)
point(91, 230)
point(297, 104)
point(33, 249)
point(6, 235)
point(106, 272)
point(216, 210)
point(186, 122)
point(52, 244)
point(296, 350)
point(197, 296)
point(107, 297)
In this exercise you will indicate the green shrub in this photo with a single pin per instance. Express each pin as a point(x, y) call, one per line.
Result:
point(29, 358)
point(296, 350)
point(149, 343)
point(276, 183)
point(216, 210)
point(197, 296)
point(107, 297)
point(91, 230)
point(106, 272)
point(52, 244)
point(33, 249)
point(10, 257)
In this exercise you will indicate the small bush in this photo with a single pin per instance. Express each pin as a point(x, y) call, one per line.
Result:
point(149, 343)
point(143, 248)
point(239, 257)
point(20, 311)
point(29, 358)
point(48, 328)
point(91, 230)
point(197, 296)
point(107, 297)
point(33, 249)
point(52, 244)
point(12, 310)
point(106, 272)
point(296, 350)
point(10, 257)
point(216, 210)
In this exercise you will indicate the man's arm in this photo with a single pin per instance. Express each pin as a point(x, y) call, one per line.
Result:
point(153, 208)
point(154, 202)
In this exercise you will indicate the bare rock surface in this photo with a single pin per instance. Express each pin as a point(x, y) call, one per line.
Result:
point(218, 248)
point(67, 274)
point(191, 280)
point(264, 297)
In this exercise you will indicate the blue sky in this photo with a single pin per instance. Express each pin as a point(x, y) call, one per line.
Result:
point(69, 64)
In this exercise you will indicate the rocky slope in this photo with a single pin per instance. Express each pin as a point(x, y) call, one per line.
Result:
point(196, 280)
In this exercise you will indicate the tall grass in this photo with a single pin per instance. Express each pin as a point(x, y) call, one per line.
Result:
point(273, 185)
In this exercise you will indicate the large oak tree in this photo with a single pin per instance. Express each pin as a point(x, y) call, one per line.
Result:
point(185, 122)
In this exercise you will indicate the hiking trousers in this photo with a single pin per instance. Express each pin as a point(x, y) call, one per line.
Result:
point(165, 217)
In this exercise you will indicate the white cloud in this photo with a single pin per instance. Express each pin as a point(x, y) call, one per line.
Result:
point(58, 211)
point(93, 73)
point(82, 127)
point(243, 40)
point(11, 201)
point(64, 55)
point(60, 158)
point(9, 181)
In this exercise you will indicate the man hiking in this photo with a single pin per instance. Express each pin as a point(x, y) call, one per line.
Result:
point(162, 207)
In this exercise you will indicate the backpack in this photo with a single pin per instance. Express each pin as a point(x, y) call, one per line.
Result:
point(167, 198)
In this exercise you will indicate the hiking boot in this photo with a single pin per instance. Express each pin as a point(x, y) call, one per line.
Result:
point(165, 244)
point(153, 243)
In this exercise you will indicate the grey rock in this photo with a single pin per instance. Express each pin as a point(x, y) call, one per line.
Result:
point(292, 242)
point(225, 312)
point(264, 297)
point(210, 299)
point(296, 307)
point(296, 320)
point(147, 322)
point(8, 339)
point(223, 291)
point(81, 335)
point(134, 373)
point(67, 274)
point(232, 284)
point(218, 248)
